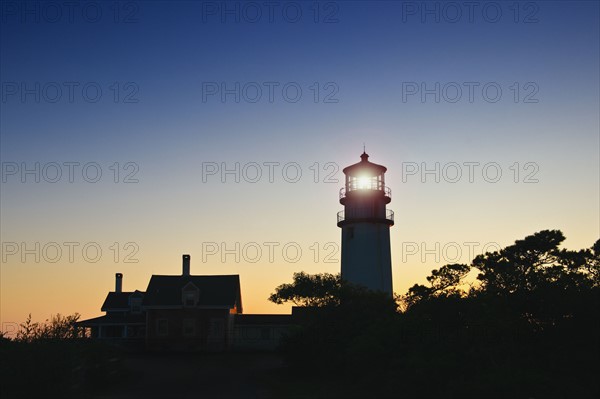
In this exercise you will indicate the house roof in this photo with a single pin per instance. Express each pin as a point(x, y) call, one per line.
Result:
point(217, 291)
point(118, 300)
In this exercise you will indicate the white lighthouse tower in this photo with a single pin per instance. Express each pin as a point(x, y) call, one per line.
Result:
point(365, 224)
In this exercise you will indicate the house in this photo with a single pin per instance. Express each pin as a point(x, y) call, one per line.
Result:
point(191, 312)
point(186, 313)
point(124, 318)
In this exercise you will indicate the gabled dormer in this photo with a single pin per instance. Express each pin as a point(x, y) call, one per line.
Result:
point(190, 295)
point(135, 302)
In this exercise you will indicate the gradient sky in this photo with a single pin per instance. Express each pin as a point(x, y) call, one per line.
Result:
point(363, 55)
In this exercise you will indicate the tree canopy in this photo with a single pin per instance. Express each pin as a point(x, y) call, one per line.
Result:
point(309, 290)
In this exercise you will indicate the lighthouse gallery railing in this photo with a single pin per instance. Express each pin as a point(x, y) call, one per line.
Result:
point(359, 214)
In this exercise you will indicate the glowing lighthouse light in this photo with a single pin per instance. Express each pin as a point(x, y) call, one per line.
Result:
point(364, 183)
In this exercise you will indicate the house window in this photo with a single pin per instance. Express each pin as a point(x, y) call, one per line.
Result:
point(216, 328)
point(189, 327)
point(162, 327)
point(189, 298)
point(136, 305)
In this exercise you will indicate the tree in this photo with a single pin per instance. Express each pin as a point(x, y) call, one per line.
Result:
point(536, 263)
point(593, 265)
point(444, 282)
point(341, 329)
point(309, 290)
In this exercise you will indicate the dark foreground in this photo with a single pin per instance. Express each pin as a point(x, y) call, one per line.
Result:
point(91, 370)
point(86, 369)
point(223, 375)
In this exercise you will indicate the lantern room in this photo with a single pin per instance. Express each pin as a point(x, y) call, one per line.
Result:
point(365, 178)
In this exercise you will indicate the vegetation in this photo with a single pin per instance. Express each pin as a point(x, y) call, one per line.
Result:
point(52, 359)
point(310, 290)
point(528, 327)
point(58, 327)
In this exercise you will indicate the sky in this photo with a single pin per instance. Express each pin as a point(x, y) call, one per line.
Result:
point(137, 131)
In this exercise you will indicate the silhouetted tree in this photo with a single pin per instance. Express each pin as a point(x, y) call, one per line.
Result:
point(535, 262)
point(309, 290)
point(444, 282)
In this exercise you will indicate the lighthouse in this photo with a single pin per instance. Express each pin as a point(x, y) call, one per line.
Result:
point(365, 224)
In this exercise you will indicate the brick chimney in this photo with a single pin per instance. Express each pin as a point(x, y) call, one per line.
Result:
point(119, 282)
point(186, 265)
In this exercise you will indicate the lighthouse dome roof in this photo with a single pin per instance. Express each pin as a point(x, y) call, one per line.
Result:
point(364, 167)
